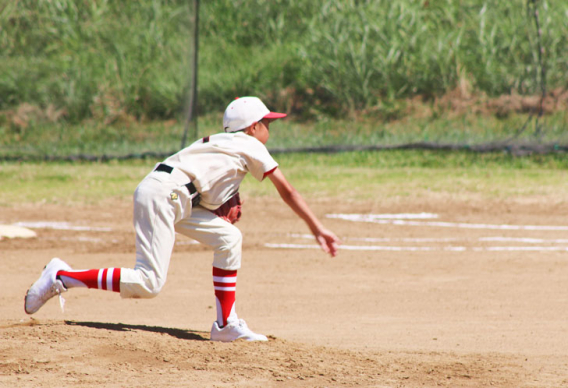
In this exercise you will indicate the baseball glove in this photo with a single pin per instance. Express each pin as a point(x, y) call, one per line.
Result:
point(230, 211)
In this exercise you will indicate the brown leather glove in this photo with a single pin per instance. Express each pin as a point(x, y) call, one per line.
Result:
point(230, 211)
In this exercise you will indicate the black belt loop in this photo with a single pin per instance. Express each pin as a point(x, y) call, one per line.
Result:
point(164, 167)
point(196, 197)
point(193, 192)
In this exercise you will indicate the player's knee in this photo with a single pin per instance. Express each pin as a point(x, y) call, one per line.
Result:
point(150, 292)
point(153, 286)
point(139, 291)
point(227, 254)
point(231, 242)
point(233, 239)
point(141, 284)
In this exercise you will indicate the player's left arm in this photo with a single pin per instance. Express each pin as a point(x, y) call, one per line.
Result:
point(325, 238)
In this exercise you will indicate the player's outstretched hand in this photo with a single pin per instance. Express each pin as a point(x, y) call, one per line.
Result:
point(328, 241)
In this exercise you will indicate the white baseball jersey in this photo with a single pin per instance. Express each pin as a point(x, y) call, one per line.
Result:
point(217, 165)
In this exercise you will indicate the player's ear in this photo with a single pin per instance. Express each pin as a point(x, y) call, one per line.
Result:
point(250, 130)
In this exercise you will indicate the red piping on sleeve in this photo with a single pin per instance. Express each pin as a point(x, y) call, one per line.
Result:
point(267, 173)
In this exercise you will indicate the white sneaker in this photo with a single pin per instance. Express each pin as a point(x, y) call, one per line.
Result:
point(234, 331)
point(46, 287)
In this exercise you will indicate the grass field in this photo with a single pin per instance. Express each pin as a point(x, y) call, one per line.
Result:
point(358, 175)
point(96, 139)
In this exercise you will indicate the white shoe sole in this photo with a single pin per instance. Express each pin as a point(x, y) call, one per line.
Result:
point(235, 331)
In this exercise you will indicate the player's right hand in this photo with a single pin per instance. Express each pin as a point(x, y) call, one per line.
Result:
point(328, 241)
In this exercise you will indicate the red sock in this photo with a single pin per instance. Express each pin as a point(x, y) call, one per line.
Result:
point(225, 284)
point(103, 279)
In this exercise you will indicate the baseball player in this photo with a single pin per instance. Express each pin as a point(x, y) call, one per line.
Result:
point(194, 192)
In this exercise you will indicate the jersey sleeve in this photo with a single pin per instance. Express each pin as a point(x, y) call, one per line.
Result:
point(259, 161)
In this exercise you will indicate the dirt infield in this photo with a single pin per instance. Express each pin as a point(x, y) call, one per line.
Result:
point(469, 295)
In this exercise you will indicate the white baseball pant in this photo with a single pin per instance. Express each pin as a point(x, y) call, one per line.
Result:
point(162, 207)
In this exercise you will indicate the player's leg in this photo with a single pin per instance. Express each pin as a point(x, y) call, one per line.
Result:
point(154, 218)
point(155, 214)
point(225, 285)
point(102, 279)
point(226, 241)
point(58, 277)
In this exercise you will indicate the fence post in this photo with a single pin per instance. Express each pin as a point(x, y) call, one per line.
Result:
point(192, 105)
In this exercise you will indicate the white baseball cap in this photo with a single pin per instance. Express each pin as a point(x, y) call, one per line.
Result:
point(245, 111)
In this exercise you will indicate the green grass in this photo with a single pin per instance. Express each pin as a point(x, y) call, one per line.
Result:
point(66, 183)
point(373, 176)
point(360, 176)
point(165, 137)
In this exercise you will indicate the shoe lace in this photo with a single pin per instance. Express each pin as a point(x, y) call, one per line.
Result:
point(56, 289)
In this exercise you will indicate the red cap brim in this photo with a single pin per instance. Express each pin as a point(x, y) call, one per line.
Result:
point(275, 115)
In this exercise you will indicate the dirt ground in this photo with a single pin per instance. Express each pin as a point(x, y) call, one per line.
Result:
point(403, 305)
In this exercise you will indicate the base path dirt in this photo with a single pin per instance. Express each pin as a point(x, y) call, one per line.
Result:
point(461, 295)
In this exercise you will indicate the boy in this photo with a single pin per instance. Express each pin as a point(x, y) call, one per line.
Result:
point(194, 192)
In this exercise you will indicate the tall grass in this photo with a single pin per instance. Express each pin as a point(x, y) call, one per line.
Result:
point(107, 60)
point(365, 52)
point(95, 59)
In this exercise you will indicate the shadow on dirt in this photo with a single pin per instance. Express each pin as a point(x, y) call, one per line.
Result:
point(178, 333)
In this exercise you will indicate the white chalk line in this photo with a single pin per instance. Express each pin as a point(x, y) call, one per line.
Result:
point(380, 239)
point(61, 226)
point(400, 219)
point(68, 226)
point(418, 249)
point(395, 219)
point(100, 240)
point(526, 240)
point(377, 219)
point(403, 216)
